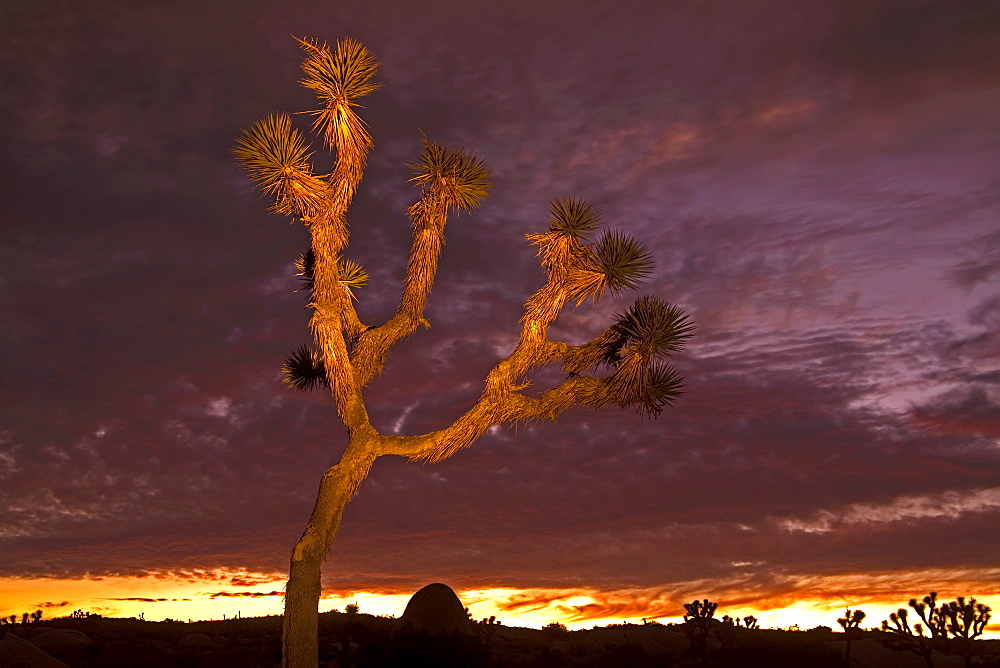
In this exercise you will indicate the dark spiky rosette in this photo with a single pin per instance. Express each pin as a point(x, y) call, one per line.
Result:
point(339, 76)
point(277, 157)
point(575, 218)
point(624, 261)
point(304, 370)
point(352, 275)
point(650, 327)
point(305, 263)
point(462, 179)
point(616, 263)
point(635, 348)
point(647, 386)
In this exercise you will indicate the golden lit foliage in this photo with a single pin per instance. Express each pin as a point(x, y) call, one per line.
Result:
point(460, 179)
point(276, 156)
point(337, 77)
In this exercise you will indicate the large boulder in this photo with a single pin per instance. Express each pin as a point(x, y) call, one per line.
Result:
point(435, 609)
point(68, 645)
point(16, 652)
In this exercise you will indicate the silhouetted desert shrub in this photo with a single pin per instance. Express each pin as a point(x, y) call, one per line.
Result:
point(555, 630)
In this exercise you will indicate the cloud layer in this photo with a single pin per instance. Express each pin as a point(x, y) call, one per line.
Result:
point(817, 182)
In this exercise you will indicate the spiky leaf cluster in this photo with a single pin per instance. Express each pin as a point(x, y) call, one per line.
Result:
point(339, 76)
point(277, 157)
point(635, 348)
point(562, 248)
point(624, 262)
point(614, 263)
point(573, 217)
point(304, 370)
point(305, 263)
point(351, 274)
point(650, 328)
point(462, 179)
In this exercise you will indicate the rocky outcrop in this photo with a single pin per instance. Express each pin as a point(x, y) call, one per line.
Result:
point(68, 645)
point(435, 609)
point(16, 652)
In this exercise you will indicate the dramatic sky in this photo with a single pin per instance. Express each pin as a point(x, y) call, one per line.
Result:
point(819, 182)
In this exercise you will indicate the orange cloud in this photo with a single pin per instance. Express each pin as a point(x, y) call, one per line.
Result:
point(246, 594)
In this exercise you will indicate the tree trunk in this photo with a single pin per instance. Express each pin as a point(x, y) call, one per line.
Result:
point(299, 630)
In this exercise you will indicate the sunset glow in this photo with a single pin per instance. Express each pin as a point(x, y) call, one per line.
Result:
point(224, 595)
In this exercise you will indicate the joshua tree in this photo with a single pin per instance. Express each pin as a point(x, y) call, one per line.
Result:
point(748, 622)
point(632, 351)
point(964, 621)
point(27, 622)
point(697, 623)
point(911, 639)
point(851, 623)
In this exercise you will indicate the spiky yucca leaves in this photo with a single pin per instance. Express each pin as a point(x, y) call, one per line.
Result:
point(635, 347)
point(462, 179)
point(303, 369)
point(305, 263)
point(573, 217)
point(651, 327)
point(277, 157)
point(561, 248)
point(616, 262)
point(352, 275)
point(624, 262)
point(339, 76)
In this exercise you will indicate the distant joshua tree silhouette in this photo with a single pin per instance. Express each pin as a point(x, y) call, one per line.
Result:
point(748, 622)
point(486, 627)
point(697, 623)
point(851, 623)
point(27, 621)
point(349, 353)
point(964, 621)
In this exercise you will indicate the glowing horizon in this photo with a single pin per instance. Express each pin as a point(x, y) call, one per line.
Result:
point(246, 594)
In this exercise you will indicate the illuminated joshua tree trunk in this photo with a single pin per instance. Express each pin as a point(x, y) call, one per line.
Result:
point(632, 351)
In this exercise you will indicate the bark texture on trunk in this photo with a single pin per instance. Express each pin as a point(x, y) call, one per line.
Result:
point(299, 627)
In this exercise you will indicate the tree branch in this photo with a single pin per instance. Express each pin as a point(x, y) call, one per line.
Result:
point(428, 216)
